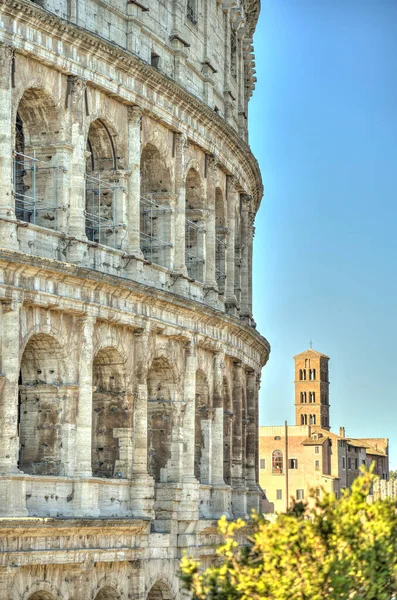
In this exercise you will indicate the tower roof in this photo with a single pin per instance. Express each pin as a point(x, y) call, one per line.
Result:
point(311, 352)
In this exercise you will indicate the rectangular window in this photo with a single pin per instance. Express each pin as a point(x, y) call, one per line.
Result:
point(263, 463)
point(356, 463)
point(279, 495)
point(349, 463)
point(317, 449)
point(293, 463)
point(300, 494)
point(317, 465)
point(343, 462)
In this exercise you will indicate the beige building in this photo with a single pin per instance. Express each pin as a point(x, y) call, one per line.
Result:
point(130, 362)
point(296, 459)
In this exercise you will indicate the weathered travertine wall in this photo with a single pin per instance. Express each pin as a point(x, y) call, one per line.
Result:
point(130, 363)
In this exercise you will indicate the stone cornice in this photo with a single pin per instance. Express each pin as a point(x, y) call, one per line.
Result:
point(132, 66)
point(119, 287)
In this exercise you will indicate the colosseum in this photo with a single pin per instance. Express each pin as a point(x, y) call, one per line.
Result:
point(130, 361)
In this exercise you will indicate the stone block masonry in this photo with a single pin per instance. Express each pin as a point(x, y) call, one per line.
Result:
point(130, 362)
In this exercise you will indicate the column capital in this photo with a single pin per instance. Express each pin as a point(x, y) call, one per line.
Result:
point(134, 114)
point(7, 54)
point(212, 163)
point(181, 141)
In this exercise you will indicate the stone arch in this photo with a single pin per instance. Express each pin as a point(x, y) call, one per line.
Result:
point(35, 166)
point(227, 432)
point(103, 198)
point(161, 384)
point(155, 206)
point(43, 590)
point(220, 239)
point(46, 407)
point(201, 444)
point(160, 591)
point(112, 416)
point(107, 593)
point(194, 227)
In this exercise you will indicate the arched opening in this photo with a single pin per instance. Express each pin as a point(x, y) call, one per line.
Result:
point(104, 194)
point(37, 172)
point(160, 591)
point(220, 240)
point(45, 410)
point(227, 432)
point(202, 450)
point(112, 416)
point(161, 395)
point(194, 227)
point(155, 209)
point(107, 593)
point(41, 595)
point(277, 462)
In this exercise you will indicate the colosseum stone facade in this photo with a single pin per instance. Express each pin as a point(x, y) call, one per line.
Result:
point(130, 363)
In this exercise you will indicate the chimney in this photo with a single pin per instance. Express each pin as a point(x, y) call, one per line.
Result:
point(342, 432)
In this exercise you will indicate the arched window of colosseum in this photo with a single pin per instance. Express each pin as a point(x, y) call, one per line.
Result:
point(41, 596)
point(220, 240)
point(161, 395)
point(160, 591)
point(107, 593)
point(227, 432)
point(194, 229)
point(104, 193)
point(155, 207)
point(201, 454)
point(46, 409)
point(38, 174)
point(112, 415)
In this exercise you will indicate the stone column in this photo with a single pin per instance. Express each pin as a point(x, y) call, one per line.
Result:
point(188, 506)
point(238, 487)
point(181, 145)
point(10, 366)
point(77, 117)
point(190, 412)
point(210, 271)
point(245, 273)
point(8, 231)
point(83, 466)
point(217, 427)
point(231, 196)
point(134, 181)
point(142, 485)
point(250, 475)
point(251, 234)
point(258, 386)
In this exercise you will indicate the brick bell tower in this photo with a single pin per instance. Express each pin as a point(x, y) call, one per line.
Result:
point(312, 389)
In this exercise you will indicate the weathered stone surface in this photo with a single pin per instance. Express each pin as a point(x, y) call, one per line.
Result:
point(129, 355)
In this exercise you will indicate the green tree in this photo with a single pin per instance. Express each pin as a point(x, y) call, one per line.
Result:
point(393, 474)
point(326, 549)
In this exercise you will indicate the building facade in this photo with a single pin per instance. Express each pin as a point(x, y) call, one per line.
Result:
point(307, 456)
point(130, 362)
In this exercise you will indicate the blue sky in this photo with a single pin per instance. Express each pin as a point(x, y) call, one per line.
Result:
point(323, 125)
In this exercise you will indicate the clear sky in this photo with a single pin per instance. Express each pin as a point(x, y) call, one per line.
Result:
point(323, 125)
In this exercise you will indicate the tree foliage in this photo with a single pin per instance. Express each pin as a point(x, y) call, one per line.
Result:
point(325, 549)
point(393, 474)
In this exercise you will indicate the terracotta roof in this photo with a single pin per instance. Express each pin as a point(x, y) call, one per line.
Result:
point(310, 350)
point(311, 441)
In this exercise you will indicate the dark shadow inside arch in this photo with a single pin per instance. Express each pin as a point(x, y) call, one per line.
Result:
point(160, 591)
point(107, 593)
